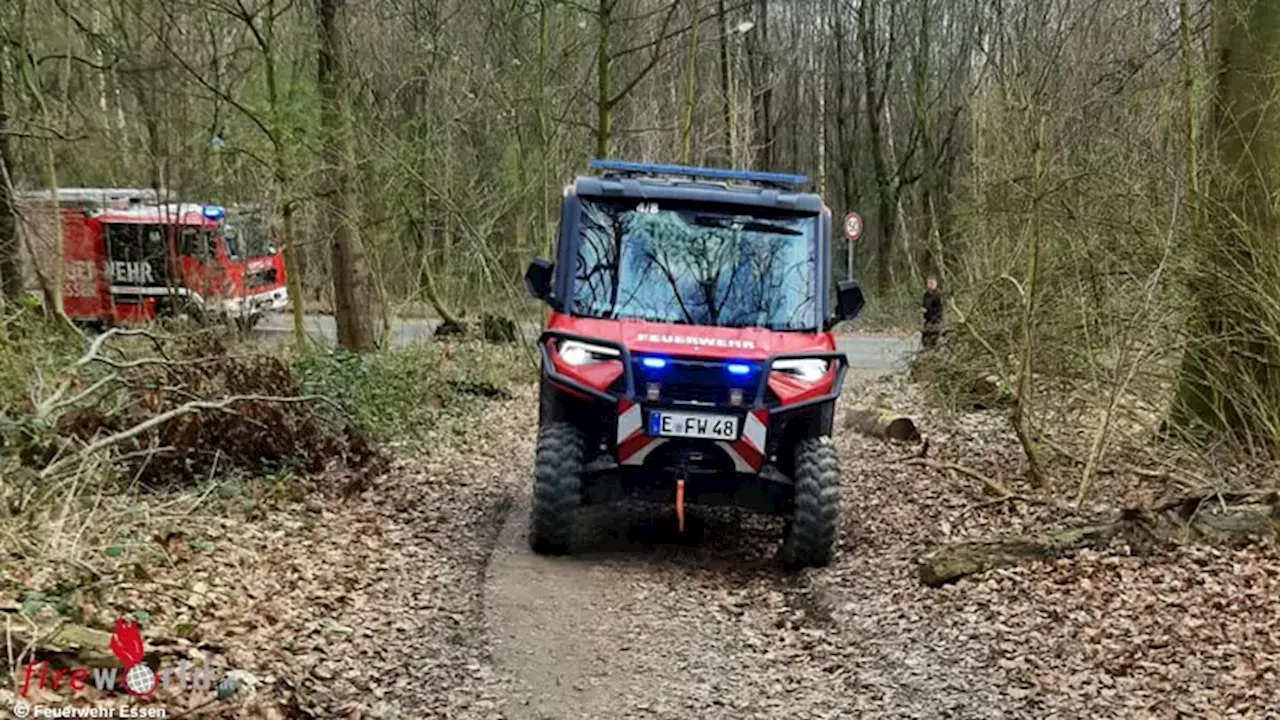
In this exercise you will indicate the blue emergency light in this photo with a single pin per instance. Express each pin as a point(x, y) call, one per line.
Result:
point(213, 212)
point(739, 369)
point(634, 168)
point(655, 363)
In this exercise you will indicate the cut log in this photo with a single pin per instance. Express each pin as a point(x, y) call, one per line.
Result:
point(1211, 519)
point(66, 645)
point(952, 562)
point(882, 424)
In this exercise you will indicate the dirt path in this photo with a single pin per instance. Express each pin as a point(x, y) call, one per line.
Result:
point(642, 623)
point(649, 629)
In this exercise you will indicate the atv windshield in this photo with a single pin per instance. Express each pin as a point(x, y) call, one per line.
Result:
point(729, 267)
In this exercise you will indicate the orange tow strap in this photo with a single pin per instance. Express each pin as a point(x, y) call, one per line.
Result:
point(680, 503)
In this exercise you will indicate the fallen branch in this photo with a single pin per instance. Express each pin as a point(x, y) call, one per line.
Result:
point(999, 501)
point(952, 562)
point(1188, 480)
point(93, 354)
point(54, 404)
point(1211, 518)
point(164, 417)
point(995, 486)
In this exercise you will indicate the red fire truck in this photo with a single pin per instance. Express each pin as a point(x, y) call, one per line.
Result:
point(130, 257)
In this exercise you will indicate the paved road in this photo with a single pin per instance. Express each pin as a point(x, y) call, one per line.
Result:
point(875, 353)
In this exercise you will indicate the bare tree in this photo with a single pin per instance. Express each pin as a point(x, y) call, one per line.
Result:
point(607, 97)
point(351, 291)
point(878, 67)
point(10, 259)
point(1231, 377)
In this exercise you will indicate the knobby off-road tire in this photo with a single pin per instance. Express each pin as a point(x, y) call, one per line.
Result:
point(811, 538)
point(557, 487)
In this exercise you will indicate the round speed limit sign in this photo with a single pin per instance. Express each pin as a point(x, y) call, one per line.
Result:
point(852, 226)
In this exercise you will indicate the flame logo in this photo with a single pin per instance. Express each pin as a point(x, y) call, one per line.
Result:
point(126, 643)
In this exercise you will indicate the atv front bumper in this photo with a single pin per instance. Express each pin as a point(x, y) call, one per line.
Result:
point(765, 422)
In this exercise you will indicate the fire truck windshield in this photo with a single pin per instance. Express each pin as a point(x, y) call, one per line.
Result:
point(198, 243)
point(253, 236)
point(696, 265)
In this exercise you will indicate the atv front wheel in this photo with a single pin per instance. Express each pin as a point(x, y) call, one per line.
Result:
point(815, 522)
point(557, 488)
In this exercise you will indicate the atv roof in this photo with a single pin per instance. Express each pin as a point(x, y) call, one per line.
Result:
point(711, 185)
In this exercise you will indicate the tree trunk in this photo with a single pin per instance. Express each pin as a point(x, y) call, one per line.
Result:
point(546, 229)
point(762, 90)
point(690, 87)
point(10, 261)
point(1189, 97)
point(1230, 379)
point(886, 190)
point(604, 107)
point(932, 258)
point(1022, 408)
point(726, 92)
point(283, 181)
point(54, 290)
point(293, 272)
point(821, 61)
point(351, 297)
point(846, 125)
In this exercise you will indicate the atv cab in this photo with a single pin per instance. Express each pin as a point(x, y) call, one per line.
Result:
point(687, 354)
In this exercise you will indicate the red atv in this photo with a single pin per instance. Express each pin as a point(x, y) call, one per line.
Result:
point(688, 352)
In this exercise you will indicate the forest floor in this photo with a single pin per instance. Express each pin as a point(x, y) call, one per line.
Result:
point(413, 594)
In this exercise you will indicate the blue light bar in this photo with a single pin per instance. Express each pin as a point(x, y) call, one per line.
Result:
point(213, 212)
point(656, 363)
point(739, 369)
point(634, 168)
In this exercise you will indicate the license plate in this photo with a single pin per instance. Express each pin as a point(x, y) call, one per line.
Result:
point(693, 425)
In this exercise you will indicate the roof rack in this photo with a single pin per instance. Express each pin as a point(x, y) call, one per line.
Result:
point(622, 167)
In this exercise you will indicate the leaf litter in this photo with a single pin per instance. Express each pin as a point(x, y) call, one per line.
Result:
point(368, 600)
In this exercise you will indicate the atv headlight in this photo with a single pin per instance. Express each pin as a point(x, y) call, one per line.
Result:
point(805, 369)
point(576, 353)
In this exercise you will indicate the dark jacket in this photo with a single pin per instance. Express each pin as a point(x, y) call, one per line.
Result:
point(932, 307)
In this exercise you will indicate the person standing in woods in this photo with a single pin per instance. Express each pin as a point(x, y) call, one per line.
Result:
point(932, 314)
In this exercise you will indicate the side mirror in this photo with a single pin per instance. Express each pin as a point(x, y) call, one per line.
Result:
point(849, 300)
point(538, 278)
